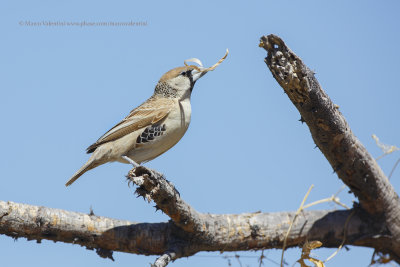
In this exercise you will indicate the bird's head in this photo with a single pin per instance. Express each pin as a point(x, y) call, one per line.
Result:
point(179, 82)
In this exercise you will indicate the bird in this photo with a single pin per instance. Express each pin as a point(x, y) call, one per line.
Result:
point(153, 127)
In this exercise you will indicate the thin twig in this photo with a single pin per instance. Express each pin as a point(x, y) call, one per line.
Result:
point(386, 149)
point(260, 260)
point(238, 259)
point(292, 222)
point(394, 167)
point(340, 190)
point(329, 199)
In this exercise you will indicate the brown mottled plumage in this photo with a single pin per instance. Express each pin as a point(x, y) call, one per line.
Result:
point(150, 112)
point(152, 128)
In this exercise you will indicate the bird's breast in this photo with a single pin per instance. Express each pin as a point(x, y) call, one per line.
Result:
point(177, 122)
point(181, 115)
point(173, 127)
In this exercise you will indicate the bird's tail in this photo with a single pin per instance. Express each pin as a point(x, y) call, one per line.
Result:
point(88, 166)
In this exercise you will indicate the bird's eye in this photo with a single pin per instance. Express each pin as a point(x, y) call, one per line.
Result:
point(186, 73)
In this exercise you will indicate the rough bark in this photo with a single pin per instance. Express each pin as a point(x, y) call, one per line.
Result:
point(332, 134)
point(374, 223)
point(228, 232)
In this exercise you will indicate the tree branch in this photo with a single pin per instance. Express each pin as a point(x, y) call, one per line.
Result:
point(332, 134)
point(375, 223)
point(153, 186)
point(227, 232)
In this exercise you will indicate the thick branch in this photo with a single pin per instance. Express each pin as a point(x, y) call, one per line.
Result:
point(232, 232)
point(153, 186)
point(375, 225)
point(332, 134)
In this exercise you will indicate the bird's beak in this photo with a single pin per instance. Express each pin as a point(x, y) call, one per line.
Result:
point(197, 74)
point(199, 71)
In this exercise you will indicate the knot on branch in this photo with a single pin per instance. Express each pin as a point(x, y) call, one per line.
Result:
point(105, 253)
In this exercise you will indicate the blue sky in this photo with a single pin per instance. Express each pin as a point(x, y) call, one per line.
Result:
point(62, 87)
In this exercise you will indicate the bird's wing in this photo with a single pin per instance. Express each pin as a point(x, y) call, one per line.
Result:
point(150, 112)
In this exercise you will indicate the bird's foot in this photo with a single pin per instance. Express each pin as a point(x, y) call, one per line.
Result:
point(135, 164)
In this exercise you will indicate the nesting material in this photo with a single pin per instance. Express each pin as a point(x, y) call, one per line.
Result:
point(201, 68)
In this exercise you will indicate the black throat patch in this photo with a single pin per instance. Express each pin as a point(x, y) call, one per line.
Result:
point(190, 76)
